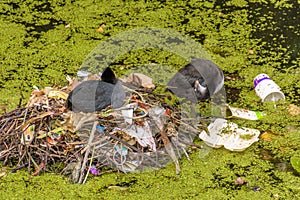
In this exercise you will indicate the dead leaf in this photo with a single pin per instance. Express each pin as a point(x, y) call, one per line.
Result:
point(3, 171)
point(251, 51)
point(265, 154)
point(116, 187)
point(57, 94)
point(170, 150)
point(46, 90)
point(294, 110)
point(240, 181)
point(37, 93)
point(51, 141)
point(281, 148)
point(268, 136)
point(139, 80)
point(101, 28)
point(36, 96)
point(3, 108)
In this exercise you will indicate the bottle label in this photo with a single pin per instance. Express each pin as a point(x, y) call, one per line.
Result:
point(244, 114)
point(259, 78)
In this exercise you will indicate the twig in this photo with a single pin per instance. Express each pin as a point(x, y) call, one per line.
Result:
point(91, 161)
point(170, 150)
point(87, 152)
point(133, 148)
point(130, 90)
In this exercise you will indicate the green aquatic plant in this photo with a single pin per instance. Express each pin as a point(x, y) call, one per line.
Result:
point(42, 42)
point(295, 161)
point(246, 136)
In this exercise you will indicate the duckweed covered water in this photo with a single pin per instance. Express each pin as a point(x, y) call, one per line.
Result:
point(42, 42)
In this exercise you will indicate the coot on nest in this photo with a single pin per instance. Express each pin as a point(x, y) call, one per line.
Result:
point(95, 95)
point(197, 81)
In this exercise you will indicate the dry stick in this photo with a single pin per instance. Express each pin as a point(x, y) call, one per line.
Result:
point(87, 152)
point(5, 151)
point(17, 168)
point(73, 155)
point(7, 156)
point(170, 149)
point(45, 151)
point(13, 114)
point(130, 90)
point(35, 139)
point(91, 161)
point(12, 126)
point(7, 120)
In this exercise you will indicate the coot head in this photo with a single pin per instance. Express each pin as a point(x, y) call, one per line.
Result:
point(197, 81)
point(95, 95)
point(109, 76)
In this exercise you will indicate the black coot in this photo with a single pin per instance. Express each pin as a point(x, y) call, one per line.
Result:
point(95, 95)
point(197, 81)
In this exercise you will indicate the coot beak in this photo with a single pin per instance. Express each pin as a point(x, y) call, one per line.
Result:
point(201, 88)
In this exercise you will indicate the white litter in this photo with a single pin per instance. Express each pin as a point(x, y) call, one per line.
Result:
point(142, 134)
point(227, 134)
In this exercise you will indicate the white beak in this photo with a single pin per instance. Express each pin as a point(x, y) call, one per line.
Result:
point(199, 88)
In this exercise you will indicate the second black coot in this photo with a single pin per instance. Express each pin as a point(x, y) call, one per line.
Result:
point(197, 81)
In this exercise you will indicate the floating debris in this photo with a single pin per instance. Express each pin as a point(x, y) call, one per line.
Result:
point(223, 133)
point(240, 181)
point(267, 89)
point(243, 113)
point(101, 28)
point(255, 188)
point(294, 110)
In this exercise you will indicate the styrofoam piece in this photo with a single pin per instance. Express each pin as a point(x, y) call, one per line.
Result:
point(227, 134)
point(241, 139)
point(214, 138)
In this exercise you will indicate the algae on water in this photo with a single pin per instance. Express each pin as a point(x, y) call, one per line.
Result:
point(295, 161)
point(244, 38)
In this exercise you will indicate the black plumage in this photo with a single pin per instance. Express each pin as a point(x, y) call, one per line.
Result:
point(95, 95)
point(197, 81)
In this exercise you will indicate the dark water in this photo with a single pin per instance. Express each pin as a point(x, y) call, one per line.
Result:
point(277, 28)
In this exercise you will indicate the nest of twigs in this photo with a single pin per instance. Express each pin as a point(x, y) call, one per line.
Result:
point(44, 134)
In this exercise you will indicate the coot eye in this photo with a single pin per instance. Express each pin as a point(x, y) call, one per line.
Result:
point(203, 84)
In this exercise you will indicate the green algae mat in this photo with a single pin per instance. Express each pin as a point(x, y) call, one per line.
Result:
point(44, 41)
